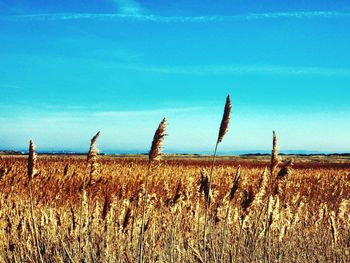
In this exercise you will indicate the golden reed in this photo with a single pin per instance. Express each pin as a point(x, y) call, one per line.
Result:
point(32, 171)
point(153, 154)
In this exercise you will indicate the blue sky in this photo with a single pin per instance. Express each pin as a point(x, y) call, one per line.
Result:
point(71, 68)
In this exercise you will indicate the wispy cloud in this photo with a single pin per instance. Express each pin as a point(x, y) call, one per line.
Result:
point(229, 69)
point(73, 113)
point(129, 7)
point(132, 11)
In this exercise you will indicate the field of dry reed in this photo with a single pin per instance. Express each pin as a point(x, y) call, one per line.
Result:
point(309, 214)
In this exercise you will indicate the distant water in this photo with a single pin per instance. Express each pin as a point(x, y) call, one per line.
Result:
point(220, 153)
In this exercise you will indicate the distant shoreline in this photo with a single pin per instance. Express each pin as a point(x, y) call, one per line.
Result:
point(253, 154)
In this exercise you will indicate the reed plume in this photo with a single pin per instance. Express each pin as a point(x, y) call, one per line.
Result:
point(274, 155)
point(93, 151)
point(31, 161)
point(153, 155)
point(31, 173)
point(92, 156)
point(225, 119)
point(157, 142)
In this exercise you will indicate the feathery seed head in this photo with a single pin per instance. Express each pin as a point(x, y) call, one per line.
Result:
point(225, 119)
point(157, 142)
point(92, 157)
point(274, 155)
point(93, 148)
point(31, 160)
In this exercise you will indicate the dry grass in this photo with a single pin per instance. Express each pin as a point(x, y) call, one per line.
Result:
point(309, 223)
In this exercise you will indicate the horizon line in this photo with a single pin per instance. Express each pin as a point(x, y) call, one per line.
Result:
point(174, 19)
point(178, 152)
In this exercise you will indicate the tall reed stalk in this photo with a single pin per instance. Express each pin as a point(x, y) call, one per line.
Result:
point(31, 173)
point(153, 155)
point(92, 164)
point(273, 166)
point(223, 130)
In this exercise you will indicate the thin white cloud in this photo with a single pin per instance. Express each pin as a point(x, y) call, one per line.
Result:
point(129, 7)
point(134, 12)
point(76, 113)
point(229, 69)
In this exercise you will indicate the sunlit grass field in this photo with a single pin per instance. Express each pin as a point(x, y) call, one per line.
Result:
point(305, 220)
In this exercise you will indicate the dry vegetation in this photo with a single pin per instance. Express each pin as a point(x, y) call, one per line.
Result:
point(310, 220)
point(105, 209)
